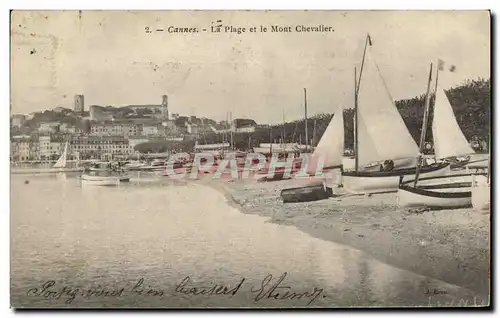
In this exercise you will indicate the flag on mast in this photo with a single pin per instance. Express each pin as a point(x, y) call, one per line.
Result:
point(441, 65)
point(370, 40)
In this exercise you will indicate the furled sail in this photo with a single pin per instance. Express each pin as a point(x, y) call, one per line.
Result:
point(449, 140)
point(61, 162)
point(330, 148)
point(382, 133)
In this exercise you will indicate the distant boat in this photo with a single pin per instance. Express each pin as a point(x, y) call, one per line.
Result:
point(100, 166)
point(137, 165)
point(450, 142)
point(102, 180)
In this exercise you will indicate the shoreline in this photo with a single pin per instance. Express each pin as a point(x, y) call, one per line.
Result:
point(449, 245)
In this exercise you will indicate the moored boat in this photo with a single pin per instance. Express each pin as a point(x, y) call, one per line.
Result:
point(134, 166)
point(96, 180)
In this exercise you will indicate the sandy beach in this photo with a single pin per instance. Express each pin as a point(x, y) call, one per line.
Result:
point(449, 245)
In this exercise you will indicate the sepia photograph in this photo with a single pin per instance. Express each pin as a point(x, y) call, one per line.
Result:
point(250, 159)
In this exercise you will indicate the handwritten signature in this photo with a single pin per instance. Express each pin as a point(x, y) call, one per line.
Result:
point(266, 289)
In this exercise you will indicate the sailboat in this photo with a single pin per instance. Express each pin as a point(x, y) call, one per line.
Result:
point(443, 191)
point(381, 137)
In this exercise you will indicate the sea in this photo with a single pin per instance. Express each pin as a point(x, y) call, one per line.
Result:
point(157, 243)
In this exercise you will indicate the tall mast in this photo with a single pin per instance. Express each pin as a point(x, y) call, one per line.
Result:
point(435, 95)
point(305, 114)
point(355, 120)
point(313, 143)
point(271, 139)
point(437, 78)
point(356, 91)
point(424, 126)
point(367, 41)
point(283, 130)
point(231, 128)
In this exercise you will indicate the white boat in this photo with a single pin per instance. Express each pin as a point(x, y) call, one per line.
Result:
point(59, 166)
point(449, 141)
point(381, 136)
point(137, 165)
point(437, 193)
point(96, 180)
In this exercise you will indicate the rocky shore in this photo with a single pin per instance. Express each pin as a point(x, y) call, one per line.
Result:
point(449, 245)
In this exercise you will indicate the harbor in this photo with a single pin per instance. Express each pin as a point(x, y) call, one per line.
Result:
point(81, 237)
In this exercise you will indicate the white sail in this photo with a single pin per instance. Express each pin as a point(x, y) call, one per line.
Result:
point(61, 162)
point(330, 148)
point(449, 140)
point(382, 133)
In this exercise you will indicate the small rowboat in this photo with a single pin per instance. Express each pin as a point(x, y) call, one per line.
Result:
point(313, 192)
point(103, 180)
point(447, 192)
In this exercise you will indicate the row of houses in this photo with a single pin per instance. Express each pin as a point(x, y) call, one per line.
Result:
point(50, 147)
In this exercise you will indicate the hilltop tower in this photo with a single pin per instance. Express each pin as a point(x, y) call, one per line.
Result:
point(164, 107)
point(79, 104)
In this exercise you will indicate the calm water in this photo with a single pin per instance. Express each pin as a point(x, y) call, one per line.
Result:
point(103, 241)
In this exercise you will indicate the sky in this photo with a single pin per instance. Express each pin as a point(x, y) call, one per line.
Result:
point(110, 58)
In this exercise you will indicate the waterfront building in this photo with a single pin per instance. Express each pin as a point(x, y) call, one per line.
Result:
point(99, 147)
point(22, 148)
point(44, 147)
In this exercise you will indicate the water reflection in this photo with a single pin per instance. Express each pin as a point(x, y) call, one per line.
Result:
point(112, 237)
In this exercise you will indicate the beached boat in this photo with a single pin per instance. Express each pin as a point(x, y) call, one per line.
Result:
point(437, 193)
point(312, 192)
point(382, 139)
point(450, 142)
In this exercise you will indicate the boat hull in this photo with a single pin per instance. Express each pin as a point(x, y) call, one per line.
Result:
point(100, 181)
point(446, 192)
point(306, 193)
point(373, 182)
